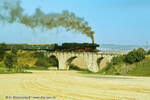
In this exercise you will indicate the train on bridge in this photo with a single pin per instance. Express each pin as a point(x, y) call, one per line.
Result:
point(65, 47)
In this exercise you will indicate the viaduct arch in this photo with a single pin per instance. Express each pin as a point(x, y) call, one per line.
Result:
point(94, 61)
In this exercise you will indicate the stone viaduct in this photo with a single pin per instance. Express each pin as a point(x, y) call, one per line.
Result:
point(94, 61)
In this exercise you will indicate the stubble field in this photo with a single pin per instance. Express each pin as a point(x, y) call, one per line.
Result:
point(70, 85)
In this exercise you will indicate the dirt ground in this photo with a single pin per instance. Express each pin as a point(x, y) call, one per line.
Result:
point(70, 85)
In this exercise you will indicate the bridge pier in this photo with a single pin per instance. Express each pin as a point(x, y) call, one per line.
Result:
point(93, 67)
point(62, 64)
point(91, 60)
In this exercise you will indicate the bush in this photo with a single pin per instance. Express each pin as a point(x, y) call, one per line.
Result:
point(140, 54)
point(2, 51)
point(117, 60)
point(19, 68)
point(135, 56)
point(10, 60)
point(74, 67)
point(108, 67)
point(14, 50)
point(148, 52)
point(53, 61)
point(43, 61)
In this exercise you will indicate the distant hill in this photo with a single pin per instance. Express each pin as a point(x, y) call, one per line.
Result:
point(119, 48)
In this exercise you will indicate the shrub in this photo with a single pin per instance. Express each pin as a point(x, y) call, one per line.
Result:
point(53, 61)
point(118, 59)
point(10, 60)
point(2, 51)
point(43, 61)
point(108, 67)
point(140, 54)
point(19, 68)
point(74, 67)
point(117, 73)
point(26, 66)
point(148, 52)
point(135, 56)
point(14, 50)
point(130, 58)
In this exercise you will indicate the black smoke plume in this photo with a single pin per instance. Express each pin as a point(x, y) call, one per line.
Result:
point(11, 11)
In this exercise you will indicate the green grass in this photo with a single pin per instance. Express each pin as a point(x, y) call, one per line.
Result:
point(141, 68)
point(88, 72)
point(15, 72)
point(36, 68)
point(97, 73)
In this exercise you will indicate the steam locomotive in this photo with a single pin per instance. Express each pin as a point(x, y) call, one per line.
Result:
point(78, 47)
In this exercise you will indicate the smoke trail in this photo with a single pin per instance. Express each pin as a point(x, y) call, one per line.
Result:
point(11, 11)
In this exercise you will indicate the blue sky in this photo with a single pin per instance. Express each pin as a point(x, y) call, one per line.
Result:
point(114, 22)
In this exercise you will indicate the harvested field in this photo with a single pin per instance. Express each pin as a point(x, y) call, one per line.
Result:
point(70, 85)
